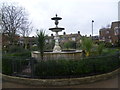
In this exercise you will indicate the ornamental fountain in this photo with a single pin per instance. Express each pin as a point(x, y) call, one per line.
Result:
point(57, 29)
point(57, 52)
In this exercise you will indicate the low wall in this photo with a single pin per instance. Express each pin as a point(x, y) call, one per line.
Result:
point(61, 82)
point(58, 55)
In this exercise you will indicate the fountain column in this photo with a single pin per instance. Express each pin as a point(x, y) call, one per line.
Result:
point(57, 48)
point(57, 29)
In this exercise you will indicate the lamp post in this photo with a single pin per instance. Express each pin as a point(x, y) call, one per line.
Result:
point(92, 28)
point(118, 33)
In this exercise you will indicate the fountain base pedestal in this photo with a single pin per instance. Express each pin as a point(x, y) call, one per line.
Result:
point(57, 48)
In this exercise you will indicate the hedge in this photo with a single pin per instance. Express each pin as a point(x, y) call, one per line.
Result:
point(13, 64)
point(64, 68)
point(84, 67)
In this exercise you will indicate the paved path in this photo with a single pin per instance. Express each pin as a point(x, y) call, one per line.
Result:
point(110, 83)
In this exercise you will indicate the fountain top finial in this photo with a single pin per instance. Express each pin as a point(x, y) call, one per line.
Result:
point(56, 18)
point(56, 15)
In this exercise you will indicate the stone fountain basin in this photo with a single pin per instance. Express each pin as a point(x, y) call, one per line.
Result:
point(72, 55)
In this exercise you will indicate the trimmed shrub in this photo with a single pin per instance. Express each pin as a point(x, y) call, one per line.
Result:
point(84, 67)
point(22, 54)
point(15, 48)
point(63, 68)
point(6, 66)
point(13, 64)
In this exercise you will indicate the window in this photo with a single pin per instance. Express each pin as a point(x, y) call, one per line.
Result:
point(50, 40)
point(110, 40)
point(103, 38)
point(80, 41)
point(116, 30)
point(107, 32)
point(46, 40)
point(73, 38)
point(109, 36)
point(0, 27)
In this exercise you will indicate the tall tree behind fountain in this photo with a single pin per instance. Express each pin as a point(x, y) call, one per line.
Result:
point(41, 42)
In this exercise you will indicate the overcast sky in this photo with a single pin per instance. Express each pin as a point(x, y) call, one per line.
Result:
point(77, 15)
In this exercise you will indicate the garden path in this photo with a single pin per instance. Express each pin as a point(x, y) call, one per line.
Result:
point(110, 83)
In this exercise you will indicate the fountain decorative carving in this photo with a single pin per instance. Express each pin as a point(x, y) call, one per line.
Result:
point(57, 29)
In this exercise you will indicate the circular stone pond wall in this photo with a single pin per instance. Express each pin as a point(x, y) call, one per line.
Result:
point(73, 55)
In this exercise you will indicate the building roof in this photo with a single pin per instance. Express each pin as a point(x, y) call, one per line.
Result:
point(104, 29)
point(116, 22)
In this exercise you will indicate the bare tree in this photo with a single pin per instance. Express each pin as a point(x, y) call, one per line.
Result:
point(26, 30)
point(14, 21)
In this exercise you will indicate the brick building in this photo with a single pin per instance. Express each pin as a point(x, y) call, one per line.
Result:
point(32, 41)
point(112, 34)
point(64, 38)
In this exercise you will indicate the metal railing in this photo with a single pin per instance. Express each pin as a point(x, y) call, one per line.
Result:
point(24, 67)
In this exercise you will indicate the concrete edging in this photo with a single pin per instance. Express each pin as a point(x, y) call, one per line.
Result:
point(60, 82)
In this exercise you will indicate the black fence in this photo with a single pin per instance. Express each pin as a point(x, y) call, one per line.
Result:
point(18, 66)
point(31, 68)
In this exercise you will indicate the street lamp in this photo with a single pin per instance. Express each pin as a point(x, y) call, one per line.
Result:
point(92, 28)
point(118, 33)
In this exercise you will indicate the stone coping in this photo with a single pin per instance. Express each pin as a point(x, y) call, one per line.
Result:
point(36, 52)
point(61, 82)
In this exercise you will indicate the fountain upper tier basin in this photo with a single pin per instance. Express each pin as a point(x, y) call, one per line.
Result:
point(72, 55)
point(56, 18)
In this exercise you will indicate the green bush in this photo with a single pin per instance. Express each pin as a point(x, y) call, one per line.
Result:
point(86, 66)
point(22, 54)
point(100, 48)
point(107, 51)
point(13, 64)
point(6, 66)
point(14, 59)
point(15, 48)
point(108, 45)
point(51, 68)
point(69, 45)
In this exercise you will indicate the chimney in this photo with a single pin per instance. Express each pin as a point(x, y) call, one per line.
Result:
point(64, 33)
point(51, 34)
point(78, 32)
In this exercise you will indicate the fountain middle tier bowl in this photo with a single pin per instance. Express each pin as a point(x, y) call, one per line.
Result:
point(56, 18)
point(56, 29)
